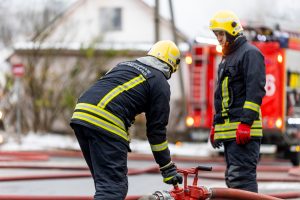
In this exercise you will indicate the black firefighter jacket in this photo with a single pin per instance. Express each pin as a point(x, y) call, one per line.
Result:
point(111, 104)
point(239, 91)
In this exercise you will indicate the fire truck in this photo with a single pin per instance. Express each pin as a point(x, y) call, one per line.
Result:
point(281, 105)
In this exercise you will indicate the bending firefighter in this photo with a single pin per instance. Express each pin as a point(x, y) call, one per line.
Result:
point(107, 109)
point(238, 96)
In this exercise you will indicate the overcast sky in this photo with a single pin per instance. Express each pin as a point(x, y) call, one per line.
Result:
point(192, 16)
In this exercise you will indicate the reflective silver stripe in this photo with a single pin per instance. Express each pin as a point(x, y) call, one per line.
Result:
point(100, 111)
point(119, 89)
point(159, 147)
point(225, 97)
point(252, 106)
point(228, 130)
point(101, 123)
point(166, 166)
point(224, 20)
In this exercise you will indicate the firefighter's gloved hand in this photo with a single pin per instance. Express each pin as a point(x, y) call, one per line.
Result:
point(243, 134)
point(170, 175)
point(214, 144)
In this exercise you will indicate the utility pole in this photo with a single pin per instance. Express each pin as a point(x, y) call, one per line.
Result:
point(18, 71)
point(156, 21)
point(180, 71)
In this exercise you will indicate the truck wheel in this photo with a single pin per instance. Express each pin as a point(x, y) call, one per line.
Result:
point(295, 158)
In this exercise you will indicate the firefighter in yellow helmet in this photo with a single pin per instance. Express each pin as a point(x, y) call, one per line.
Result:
point(105, 111)
point(227, 27)
point(238, 97)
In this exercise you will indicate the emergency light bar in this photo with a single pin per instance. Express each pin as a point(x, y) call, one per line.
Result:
point(294, 121)
point(205, 40)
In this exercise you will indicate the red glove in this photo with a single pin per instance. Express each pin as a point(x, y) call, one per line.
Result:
point(212, 139)
point(243, 134)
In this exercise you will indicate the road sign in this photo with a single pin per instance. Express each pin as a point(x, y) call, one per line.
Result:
point(18, 69)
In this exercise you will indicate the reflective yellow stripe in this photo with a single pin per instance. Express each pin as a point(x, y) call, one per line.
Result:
point(228, 130)
point(225, 97)
point(252, 106)
point(234, 125)
point(119, 89)
point(257, 124)
point(100, 123)
point(260, 116)
point(256, 132)
point(168, 178)
point(159, 147)
point(225, 135)
point(226, 126)
point(101, 112)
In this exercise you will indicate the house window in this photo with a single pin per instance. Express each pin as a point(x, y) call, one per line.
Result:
point(110, 19)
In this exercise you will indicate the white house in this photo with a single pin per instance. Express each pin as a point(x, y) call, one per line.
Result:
point(104, 25)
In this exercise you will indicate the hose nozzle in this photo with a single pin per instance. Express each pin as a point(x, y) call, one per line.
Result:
point(148, 197)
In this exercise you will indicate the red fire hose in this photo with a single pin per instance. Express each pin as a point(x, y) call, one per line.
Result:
point(19, 197)
point(31, 197)
point(234, 194)
point(217, 193)
point(287, 195)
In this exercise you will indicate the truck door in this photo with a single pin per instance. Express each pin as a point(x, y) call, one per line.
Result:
point(273, 106)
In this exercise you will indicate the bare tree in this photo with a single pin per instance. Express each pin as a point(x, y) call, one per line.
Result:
point(53, 78)
point(51, 91)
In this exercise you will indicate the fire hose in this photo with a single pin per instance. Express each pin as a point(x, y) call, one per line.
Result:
point(214, 193)
point(195, 192)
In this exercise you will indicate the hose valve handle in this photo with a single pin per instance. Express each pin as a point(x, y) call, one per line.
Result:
point(204, 168)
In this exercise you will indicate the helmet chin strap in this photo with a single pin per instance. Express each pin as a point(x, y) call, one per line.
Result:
point(229, 38)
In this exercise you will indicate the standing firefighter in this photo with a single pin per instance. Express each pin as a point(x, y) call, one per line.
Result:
point(107, 109)
point(238, 96)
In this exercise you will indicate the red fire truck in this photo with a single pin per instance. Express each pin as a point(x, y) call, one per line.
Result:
point(281, 105)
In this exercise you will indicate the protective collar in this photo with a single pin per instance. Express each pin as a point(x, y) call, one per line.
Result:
point(236, 43)
point(156, 64)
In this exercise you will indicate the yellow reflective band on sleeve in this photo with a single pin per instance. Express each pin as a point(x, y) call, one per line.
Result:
point(159, 147)
point(228, 130)
point(119, 89)
point(252, 106)
point(168, 178)
point(225, 135)
point(225, 97)
point(226, 126)
point(101, 112)
point(101, 123)
point(257, 124)
point(256, 132)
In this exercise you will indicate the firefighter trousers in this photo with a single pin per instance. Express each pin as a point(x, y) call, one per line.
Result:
point(106, 158)
point(241, 161)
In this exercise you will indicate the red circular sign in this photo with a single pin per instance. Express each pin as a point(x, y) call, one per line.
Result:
point(18, 70)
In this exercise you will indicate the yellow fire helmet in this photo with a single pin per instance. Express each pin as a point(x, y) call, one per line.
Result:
point(168, 52)
point(226, 21)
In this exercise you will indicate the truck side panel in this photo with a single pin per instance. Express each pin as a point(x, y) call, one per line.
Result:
point(273, 106)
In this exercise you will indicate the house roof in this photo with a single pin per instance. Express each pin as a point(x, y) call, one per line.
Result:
point(39, 37)
point(48, 28)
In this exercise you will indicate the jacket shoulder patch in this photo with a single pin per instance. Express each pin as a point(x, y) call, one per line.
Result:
point(143, 69)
